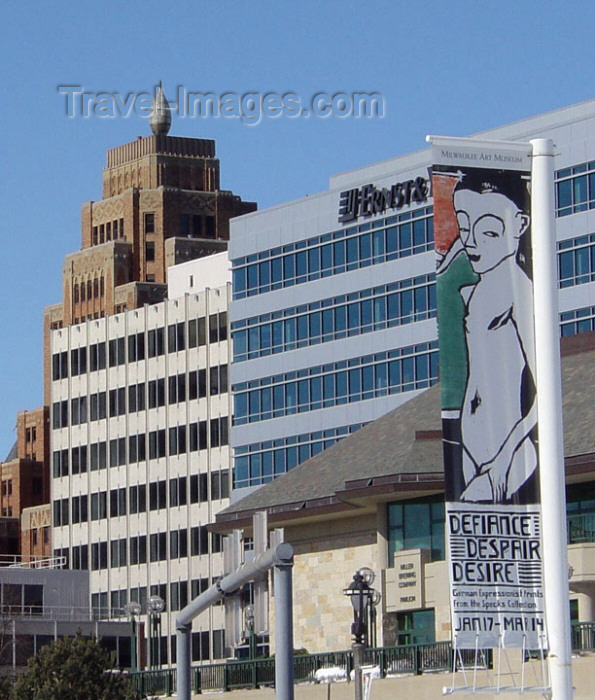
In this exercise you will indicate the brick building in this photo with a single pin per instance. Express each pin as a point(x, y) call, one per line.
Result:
point(161, 205)
point(24, 481)
point(35, 532)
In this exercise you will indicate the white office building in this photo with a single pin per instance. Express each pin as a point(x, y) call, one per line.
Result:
point(139, 439)
point(333, 315)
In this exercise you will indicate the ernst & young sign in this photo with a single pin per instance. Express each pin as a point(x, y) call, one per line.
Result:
point(369, 200)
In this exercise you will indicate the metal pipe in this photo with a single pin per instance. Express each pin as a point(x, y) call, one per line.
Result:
point(281, 555)
point(283, 632)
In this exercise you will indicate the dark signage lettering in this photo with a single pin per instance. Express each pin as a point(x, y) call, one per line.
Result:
point(369, 201)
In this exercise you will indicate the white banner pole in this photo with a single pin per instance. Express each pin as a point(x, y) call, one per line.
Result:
point(549, 407)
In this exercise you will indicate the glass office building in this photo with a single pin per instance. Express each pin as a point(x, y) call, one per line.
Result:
point(333, 311)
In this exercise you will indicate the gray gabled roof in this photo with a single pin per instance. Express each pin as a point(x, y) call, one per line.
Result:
point(12, 454)
point(406, 442)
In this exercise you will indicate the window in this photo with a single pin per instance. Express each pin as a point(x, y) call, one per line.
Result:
point(416, 627)
point(177, 491)
point(577, 321)
point(150, 223)
point(362, 312)
point(176, 337)
point(138, 498)
point(576, 261)
point(580, 509)
point(394, 371)
point(416, 524)
point(117, 355)
point(137, 448)
point(78, 410)
point(136, 398)
point(157, 495)
point(117, 402)
point(409, 233)
point(220, 484)
point(150, 251)
point(61, 512)
point(218, 327)
point(199, 540)
point(200, 646)
point(198, 488)
point(184, 225)
point(136, 347)
point(138, 551)
point(60, 462)
point(117, 452)
point(97, 357)
point(158, 547)
point(79, 459)
point(80, 557)
point(98, 505)
point(98, 456)
point(177, 389)
point(156, 342)
point(118, 553)
point(157, 444)
point(99, 556)
point(79, 509)
point(59, 366)
point(156, 393)
point(178, 544)
point(117, 502)
point(209, 229)
point(575, 189)
point(33, 598)
point(196, 332)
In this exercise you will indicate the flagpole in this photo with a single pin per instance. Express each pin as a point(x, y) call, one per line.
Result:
point(549, 407)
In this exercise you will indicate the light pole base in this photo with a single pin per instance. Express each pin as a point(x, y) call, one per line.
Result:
point(358, 661)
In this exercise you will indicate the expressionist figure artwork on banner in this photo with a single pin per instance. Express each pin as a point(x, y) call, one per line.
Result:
point(482, 231)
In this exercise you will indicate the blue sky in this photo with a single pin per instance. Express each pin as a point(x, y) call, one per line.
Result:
point(452, 68)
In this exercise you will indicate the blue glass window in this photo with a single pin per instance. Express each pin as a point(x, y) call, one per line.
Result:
point(326, 257)
point(341, 250)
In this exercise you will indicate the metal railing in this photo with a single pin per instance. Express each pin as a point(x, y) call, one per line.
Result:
point(405, 659)
point(583, 636)
point(61, 613)
point(33, 561)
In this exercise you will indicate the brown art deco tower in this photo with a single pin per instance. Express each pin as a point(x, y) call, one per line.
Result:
point(162, 205)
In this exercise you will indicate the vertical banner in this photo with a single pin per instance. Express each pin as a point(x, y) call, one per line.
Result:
point(484, 283)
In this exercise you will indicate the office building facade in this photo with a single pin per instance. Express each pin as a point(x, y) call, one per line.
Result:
point(333, 315)
point(140, 459)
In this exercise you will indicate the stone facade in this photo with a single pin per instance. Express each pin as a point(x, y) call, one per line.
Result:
point(36, 532)
point(326, 557)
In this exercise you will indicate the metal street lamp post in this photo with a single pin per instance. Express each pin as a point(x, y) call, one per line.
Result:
point(374, 602)
point(249, 613)
point(133, 610)
point(358, 593)
point(155, 606)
